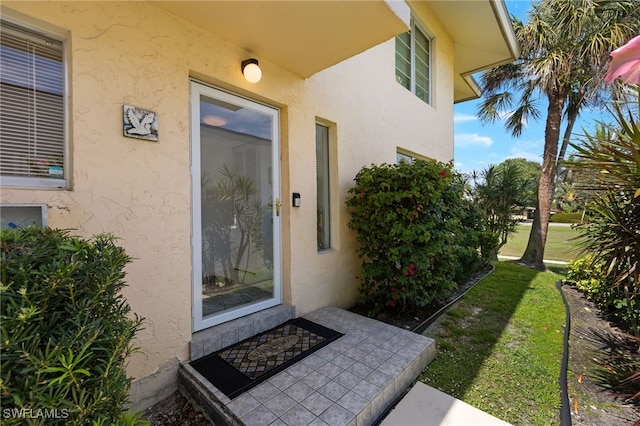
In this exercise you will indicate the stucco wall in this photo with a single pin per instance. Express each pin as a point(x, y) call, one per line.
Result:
point(138, 54)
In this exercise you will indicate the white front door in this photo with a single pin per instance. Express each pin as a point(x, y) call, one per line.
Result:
point(236, 206)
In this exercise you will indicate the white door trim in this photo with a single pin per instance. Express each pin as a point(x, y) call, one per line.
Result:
point(200, 323)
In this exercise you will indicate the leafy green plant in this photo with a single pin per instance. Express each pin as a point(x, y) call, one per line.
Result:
point(500, 192)
point(234, 213)
point(66, 329)
point(588, 276)
point(612, 232)
point(415, 231)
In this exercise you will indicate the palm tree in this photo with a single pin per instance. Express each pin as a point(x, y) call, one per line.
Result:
point(500, 192)
point(564, 52)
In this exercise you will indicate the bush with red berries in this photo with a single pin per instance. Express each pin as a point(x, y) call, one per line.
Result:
point(417, 233)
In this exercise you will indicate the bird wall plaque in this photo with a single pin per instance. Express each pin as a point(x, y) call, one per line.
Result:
point(140, 123)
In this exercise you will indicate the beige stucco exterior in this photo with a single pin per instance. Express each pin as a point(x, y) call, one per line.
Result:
point(140, 54)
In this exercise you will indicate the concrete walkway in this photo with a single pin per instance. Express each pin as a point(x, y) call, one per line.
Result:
point(426, 406)
point(552, 262)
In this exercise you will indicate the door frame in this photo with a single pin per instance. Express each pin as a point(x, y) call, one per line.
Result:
point(199, 322)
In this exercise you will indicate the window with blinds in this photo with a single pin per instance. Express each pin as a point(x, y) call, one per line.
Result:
point(413, 62)
point(32, 130)
point(322, 178)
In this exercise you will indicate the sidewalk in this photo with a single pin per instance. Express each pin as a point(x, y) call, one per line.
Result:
point(553, 262)
point(426, 406)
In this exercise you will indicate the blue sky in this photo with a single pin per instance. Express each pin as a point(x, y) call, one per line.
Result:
point(480, 144)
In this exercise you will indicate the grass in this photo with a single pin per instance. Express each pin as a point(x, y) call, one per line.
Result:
point(500, 348)
point(561, 243)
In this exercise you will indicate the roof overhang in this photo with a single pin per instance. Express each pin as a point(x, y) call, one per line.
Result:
point(304, 37)
point(483, 38)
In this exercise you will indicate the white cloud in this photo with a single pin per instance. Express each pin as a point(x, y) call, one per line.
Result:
point(471, 139)
point(530, 156)
point(529, 150)
point(461, 118)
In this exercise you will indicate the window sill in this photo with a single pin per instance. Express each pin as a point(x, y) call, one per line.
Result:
point(326, 251)
point(33, 183)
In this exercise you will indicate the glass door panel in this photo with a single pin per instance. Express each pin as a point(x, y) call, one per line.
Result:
point(237, 250)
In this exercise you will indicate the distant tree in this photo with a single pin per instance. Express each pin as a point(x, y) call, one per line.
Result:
point(500, 193)
point(572, 192)
point(565, 49)
point(530, 172)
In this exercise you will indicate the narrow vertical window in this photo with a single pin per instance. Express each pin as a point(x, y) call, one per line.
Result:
point(32, 104)
point(413, 62)
point(322, 177)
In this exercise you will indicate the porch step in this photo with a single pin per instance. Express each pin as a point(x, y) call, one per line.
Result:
point(350, 382)
point(215, 338)
point(427, 406)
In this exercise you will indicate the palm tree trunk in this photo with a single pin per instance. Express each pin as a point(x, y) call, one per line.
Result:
point(571, 121)
point(534, 253)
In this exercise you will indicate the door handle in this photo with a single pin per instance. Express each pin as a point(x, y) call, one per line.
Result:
point(278, 205)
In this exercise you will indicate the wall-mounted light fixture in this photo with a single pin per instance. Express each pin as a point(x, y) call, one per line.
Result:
point(251, 70)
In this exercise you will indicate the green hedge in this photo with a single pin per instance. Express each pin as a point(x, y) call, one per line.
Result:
point(566, 217)
point(417, 234)
point(66, 329)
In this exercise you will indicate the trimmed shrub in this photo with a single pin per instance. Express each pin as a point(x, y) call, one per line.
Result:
point(66, 329)
point(575, 217)
point(589, 276)
point(416, 233)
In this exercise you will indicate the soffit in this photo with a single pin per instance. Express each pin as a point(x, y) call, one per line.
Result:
point(304, 37)
point(483, 38)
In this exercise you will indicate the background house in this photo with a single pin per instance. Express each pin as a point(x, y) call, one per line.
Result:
point(338, 91)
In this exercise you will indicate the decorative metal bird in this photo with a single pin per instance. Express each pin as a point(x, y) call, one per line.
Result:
point(140, 127)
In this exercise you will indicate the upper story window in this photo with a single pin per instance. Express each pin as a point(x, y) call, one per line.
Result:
point(32, 109)
point(413, 61)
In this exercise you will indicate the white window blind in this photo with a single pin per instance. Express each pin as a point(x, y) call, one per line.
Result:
point(322, 177)
point(413, 62)
point(32, 139)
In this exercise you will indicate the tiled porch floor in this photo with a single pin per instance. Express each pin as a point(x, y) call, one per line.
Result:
point(349, 382)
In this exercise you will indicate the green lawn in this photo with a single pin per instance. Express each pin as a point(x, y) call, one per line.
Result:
point(500, 347)
point(560, 243)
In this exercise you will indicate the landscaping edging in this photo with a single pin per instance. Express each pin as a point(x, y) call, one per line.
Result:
point(426, 323)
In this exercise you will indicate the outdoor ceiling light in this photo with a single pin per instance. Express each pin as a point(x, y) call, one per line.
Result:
point(251, 71)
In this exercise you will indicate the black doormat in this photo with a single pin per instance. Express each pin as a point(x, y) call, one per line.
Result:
point(238, 368)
